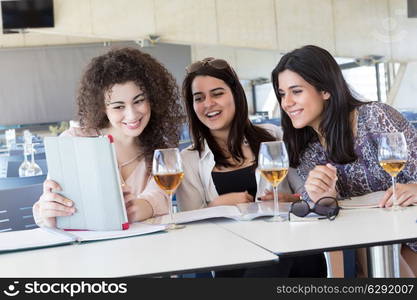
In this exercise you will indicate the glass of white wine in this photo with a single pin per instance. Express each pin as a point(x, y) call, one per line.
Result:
point(273, 165)
point(392, 156)
point(168, 172)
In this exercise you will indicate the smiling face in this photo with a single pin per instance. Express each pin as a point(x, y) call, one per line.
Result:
point(300, 100)
point(213, 103)
point(127, 109)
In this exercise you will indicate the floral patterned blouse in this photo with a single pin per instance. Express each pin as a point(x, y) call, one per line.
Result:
point(365, 175)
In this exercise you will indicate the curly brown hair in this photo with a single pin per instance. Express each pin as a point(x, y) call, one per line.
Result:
point(119, 66)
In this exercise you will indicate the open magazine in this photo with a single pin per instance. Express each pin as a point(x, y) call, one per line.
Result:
point(239, 212)
point(370, 200)
point(47, 237)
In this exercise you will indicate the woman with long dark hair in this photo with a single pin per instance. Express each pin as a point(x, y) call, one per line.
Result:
point(223, 138)
point(331, 136)
point(220, 165)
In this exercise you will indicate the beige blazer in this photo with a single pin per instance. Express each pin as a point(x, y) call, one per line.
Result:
point(197, 188)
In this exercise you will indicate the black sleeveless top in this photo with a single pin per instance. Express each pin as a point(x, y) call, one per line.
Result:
point(235, 181)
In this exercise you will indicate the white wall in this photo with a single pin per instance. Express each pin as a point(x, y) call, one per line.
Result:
point(250, 34)
point(248, 63)
point(344, 27)
point(38, 85)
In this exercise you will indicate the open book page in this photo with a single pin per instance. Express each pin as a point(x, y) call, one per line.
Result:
point(252, 210)
point(33, 238)
point(134, 230)
point(240, 212)
point(225, 211)
point(45, 237)
point(370, 200)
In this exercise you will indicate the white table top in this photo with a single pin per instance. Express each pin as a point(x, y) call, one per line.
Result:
point(351, 229)
point(199, 246)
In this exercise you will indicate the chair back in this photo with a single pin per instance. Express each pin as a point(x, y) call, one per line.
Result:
point(38, 156)
point(16, 207)
point(16, 152)
point(15, 182)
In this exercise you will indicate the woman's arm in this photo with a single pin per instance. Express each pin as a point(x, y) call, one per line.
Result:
point(51, 205)
point(137, 209)
point(190, 194)
point(321, 181)
point(392, 120)
point(406, 195)
point(289, 189)
point(152, 201)
point(231, 199)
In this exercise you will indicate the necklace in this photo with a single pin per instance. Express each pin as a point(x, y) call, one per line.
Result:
point(123, 164)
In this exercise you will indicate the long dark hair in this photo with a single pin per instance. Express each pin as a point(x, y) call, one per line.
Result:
point(318, 67)
point(241, 127)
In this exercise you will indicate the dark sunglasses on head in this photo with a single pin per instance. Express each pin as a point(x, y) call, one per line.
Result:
point(211, 61)
point(326, 206)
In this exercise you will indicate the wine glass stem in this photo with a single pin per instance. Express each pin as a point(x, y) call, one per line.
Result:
point(394, 193)
point(276, 205)
point(171, 212)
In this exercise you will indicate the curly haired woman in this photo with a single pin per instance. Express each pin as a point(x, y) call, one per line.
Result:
point(128, 94)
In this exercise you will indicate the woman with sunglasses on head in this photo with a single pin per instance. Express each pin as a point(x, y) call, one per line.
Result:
point(131, 96)
point(219, 167)
point(331, 135)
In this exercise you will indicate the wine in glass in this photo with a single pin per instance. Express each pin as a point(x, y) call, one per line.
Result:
point(392, 156)
point(168, 173)
point(273, 165)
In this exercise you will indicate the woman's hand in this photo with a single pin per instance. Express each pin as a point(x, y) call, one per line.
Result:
point(406, 195)
point(232, 199)
point(269, 195)
point(51, 205)
point(137, 209)
point(321, 182)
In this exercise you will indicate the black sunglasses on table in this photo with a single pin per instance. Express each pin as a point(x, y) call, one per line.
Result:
point(326, 206)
